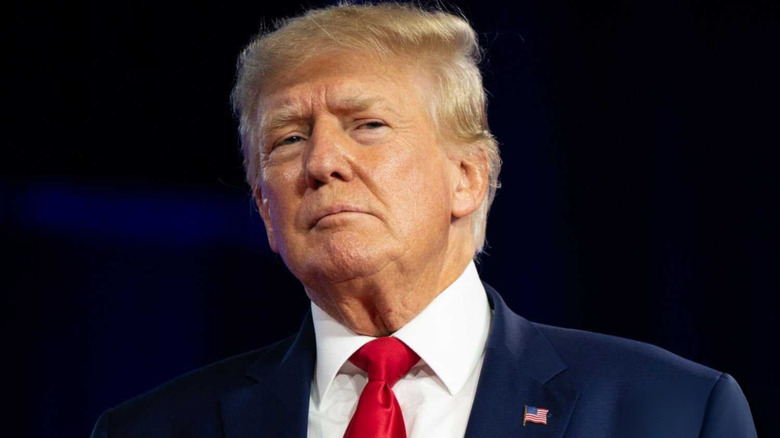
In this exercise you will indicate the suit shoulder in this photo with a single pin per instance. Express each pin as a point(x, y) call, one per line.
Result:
point(640, 383)
point(217, 377)
point(192, 396)
point(597, 354)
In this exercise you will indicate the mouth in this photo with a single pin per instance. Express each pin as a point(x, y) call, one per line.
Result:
point(334, 210)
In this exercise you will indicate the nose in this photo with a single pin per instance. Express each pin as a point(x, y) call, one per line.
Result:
point(327, 158)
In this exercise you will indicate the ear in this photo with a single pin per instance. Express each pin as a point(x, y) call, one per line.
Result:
point(470, 180)
point(262, 207)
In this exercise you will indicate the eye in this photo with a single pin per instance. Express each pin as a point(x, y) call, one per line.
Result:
point(370, 131)
point(289, 140)
point(373, 124)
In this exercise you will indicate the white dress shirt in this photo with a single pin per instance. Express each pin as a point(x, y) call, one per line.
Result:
point(436, 396)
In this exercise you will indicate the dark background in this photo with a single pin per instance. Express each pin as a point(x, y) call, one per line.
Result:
point(639, 190)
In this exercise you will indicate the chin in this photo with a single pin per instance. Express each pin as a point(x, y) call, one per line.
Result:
point(342, 258)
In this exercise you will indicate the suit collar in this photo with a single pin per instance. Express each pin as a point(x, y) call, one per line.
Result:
point(516, 339)
point(278, 403)
point(521, 369)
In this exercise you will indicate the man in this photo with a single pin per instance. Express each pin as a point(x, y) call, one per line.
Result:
point(367, 148)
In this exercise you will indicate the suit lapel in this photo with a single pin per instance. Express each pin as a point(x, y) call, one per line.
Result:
point(521, 369)
point(278, 404)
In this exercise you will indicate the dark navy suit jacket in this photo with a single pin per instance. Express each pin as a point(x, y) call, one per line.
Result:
point(593, 386)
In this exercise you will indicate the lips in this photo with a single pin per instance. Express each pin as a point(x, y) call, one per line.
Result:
point(329, 210)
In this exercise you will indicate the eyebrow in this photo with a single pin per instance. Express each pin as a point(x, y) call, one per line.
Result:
point(283, 115)
point(294, 111)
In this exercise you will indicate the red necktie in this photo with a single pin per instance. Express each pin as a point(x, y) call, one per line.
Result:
point(378, 414)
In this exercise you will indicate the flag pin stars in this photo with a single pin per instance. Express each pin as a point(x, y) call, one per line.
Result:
point(533, 414)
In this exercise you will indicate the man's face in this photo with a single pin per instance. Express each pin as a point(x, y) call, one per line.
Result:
point(355, 179)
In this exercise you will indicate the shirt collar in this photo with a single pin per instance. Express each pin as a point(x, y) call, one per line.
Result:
point(449, 335)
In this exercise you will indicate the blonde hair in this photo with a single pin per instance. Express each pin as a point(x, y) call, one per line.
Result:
point(445, 42)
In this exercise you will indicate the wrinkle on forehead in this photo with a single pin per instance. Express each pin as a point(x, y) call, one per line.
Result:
point(290, 109)
point(336, 79)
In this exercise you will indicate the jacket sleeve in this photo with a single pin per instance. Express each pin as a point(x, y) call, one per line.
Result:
point(728, 414)
point(101, 427)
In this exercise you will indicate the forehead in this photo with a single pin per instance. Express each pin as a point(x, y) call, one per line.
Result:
point(341, 82)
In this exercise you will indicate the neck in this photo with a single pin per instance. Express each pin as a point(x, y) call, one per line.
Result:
point(384, 302)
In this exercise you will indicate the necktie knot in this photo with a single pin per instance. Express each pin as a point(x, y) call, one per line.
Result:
point(378, 414)
point(386, 359)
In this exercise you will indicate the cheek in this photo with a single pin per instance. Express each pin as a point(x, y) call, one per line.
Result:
point(421, 192)
point(430, 175)
point(281, 188)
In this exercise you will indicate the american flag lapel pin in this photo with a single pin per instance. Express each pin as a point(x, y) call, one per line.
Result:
point(533, 414)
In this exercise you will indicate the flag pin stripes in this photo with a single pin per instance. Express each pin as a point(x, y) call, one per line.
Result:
point(533, 414)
